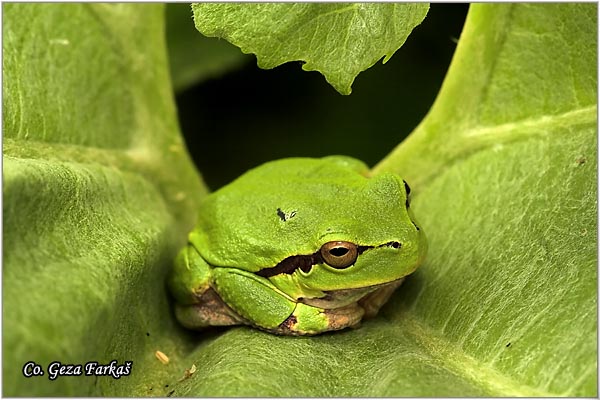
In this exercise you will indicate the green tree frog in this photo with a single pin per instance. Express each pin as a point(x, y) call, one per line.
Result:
point(298, 246)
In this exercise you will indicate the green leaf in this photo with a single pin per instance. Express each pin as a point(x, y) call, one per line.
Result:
point(97, 196)
point(193, 57)
point(339, 40)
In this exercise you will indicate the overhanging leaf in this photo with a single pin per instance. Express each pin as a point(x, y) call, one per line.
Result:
point(339, 40)
point(193, 57)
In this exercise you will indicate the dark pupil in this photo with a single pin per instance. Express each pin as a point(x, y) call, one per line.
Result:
point(338, 251)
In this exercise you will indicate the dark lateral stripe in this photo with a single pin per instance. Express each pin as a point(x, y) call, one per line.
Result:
point(305, 263)
point(291, 264)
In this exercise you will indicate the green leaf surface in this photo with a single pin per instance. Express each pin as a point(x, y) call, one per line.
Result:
point(193, 57)
point(98, 191)
point(339, 40)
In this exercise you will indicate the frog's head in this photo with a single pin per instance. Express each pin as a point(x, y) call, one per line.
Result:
point(321, 223)
point(368, 237)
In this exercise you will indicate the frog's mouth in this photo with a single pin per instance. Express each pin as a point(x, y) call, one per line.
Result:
point(305, 262)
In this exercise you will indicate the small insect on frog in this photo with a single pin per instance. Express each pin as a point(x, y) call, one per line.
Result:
point(298, 246)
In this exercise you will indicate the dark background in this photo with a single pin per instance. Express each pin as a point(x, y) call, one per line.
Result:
point(249, 116)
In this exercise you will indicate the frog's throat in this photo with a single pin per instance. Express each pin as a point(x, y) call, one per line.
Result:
point(305, 262)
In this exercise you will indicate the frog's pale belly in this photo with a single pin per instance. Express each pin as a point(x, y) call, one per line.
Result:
point(342, 298)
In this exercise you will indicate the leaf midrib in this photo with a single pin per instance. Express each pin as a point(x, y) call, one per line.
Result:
point(456, 360)
point(132, 159)
point(481, 137)
point(531, 126)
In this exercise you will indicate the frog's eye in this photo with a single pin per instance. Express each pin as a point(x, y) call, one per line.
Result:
point(339, 254)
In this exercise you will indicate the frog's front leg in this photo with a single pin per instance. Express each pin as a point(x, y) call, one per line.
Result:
point(255, 299)
point(262, 304)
